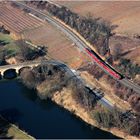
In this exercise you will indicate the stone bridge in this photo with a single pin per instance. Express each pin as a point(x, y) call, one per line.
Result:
point(18, 67)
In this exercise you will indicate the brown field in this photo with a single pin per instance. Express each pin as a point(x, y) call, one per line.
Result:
point(134, 56)
point(130, 47)
point(59, 46)
point(125, 14)
point(15, 20)
point(41, 32)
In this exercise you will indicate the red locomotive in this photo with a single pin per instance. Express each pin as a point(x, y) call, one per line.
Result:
point(104, 65)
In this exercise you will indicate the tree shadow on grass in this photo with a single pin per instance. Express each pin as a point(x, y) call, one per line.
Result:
point(11, 115)
point(125, 53)
point(4, 126)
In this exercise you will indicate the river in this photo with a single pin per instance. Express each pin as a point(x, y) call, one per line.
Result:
point(42, 118)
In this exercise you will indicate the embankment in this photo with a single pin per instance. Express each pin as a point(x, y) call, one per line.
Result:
point(65, 100)
point(12, 131)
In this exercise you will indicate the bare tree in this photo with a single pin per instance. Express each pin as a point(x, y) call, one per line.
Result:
point(117, 51)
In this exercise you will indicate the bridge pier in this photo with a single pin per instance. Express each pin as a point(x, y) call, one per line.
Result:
point(17, 71)
point(2, 73)
point(17, 67)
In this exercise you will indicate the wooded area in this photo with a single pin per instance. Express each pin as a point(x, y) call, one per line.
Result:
point(121, 91)
point(95, 30)
point(126, 121)
point(53, 78)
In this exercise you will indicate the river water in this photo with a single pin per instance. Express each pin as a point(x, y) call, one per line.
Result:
point(42, 118)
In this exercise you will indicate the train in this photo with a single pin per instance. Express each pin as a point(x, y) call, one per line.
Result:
point(104, 65)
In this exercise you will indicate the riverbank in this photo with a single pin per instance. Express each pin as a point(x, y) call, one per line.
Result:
point(65, 100)
point(11, 131)
point(77, 101)
point(43, 119)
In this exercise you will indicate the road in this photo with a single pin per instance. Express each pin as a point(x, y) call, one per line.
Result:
point(102, 100)
point(76, 39)
point(69, 72)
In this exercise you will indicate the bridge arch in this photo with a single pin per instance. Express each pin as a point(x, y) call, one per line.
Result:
point(14, 70)
point(10, 73)
point(0, 76)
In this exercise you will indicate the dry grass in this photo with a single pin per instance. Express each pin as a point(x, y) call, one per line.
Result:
point(59, 46)
point(17, 133)
point(65, 99)
point(13, 131)
point(42, 33)
point(106, 88)
point(134, 56)
point(125, 14)
point(130, 47)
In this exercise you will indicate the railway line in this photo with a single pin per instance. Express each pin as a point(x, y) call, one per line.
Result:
point(106, 103)
point(19, 66)
point(78, 41)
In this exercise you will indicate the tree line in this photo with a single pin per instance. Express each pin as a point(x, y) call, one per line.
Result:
point(121, 91)
point(95, 30)
point(128, 68)
point(126, 121)
point(52, 78)
point(28, 52)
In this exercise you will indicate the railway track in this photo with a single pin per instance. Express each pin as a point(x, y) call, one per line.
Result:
point(76, 39)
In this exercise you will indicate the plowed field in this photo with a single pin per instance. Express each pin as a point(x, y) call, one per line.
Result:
point(15, 20)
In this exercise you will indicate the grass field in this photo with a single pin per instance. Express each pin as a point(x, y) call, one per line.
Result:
point(6, 38)
point(11, 48)
point(129, 47)
point(8, 130)
point(39, 33)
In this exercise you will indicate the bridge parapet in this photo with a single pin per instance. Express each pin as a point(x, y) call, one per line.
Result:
point(17, 67)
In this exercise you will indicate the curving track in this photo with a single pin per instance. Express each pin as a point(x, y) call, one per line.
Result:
point(77, 40)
